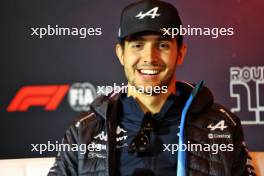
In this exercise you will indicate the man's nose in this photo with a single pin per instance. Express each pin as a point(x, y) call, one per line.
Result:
point(150, 53)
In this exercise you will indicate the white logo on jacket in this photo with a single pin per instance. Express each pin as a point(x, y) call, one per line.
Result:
point(103, 136)
point(220, 125)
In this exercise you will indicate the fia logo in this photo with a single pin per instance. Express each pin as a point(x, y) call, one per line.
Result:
point(81, 95)
point(153, 13)
point(220, 125)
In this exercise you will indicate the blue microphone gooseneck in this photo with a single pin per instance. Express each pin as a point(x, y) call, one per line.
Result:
point(181, 165)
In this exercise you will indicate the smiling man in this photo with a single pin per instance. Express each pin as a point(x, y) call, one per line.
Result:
point(180, 131)
point(149, 61)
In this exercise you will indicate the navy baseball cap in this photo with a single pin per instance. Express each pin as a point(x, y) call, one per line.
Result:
point(148, 15)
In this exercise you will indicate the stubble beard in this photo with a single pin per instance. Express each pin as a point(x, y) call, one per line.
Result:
point(166, 82)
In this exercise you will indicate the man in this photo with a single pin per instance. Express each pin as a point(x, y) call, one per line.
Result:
point(149, 130)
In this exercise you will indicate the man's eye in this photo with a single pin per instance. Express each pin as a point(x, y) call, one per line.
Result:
point(137, 45)
point(164, 46)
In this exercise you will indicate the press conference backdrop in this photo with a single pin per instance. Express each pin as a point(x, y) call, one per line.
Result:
point(46, 80)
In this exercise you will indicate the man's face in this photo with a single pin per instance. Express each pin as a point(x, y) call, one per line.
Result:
point(150, 60)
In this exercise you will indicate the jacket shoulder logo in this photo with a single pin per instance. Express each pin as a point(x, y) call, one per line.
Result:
point(102, 136)
point(153, 13)
point(220, 125)
point(120, 130)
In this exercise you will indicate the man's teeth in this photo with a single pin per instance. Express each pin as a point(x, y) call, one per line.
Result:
point(149, 72)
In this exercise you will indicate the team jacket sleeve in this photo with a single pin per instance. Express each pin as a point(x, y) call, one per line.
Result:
point(242, 164)
point(66, 162)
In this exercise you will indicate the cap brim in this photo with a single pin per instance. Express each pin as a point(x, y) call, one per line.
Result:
point(139, 29)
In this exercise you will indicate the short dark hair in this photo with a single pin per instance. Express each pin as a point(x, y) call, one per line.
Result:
point(121, 41)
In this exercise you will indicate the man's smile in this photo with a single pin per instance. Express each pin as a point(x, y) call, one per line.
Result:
point(149, 71)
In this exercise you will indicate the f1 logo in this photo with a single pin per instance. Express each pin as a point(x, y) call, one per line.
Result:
point(48, 96)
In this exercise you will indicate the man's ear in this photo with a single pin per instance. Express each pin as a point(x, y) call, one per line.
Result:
point(181, 54)
point(119, 53)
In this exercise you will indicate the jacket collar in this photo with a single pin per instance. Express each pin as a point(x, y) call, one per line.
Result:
point(203, 98)
point(201, 101)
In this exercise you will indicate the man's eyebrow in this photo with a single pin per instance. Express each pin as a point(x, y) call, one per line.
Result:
point(141, 38)
point(167, 38)
point(135, 38)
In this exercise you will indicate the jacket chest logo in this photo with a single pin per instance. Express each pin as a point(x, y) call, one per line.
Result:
point(119, 131)
point(220, 125)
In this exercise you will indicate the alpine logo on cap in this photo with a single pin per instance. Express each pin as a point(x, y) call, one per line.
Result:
point(153, 13)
